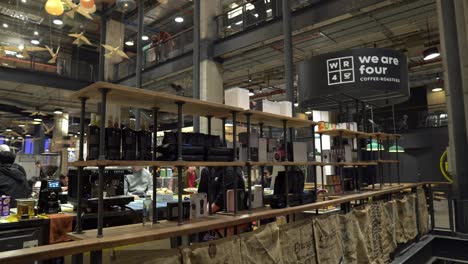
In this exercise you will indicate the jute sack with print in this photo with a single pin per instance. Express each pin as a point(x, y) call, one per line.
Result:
point(166, 256)
point(363, 219)
point(352, 240)
point(406, 219)
point(423, 211)
point(327, 239)
point(382, 238)
point(222, 251)
point(297, 243)
point(261, 246)
point(390, 209)
point(389, 237)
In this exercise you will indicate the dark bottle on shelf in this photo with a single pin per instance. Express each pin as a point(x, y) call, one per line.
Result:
point(129, 142)
point(144, 144)
point(93, 139)
point(113, 140)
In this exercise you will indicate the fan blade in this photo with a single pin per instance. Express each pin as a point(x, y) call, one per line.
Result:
point(121, 54)
point(84, 13)
point(49, 50)
point(74, 35)
point(86, 40)
point(107, 47)
point(108, 55)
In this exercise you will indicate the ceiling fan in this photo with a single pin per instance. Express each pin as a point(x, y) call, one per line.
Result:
point(35, 112)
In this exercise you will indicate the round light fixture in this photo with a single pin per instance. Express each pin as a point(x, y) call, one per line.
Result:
point(129, 43)
point(5, 25)
point(87, 3)
point(91, 10)
point(179, 19)
point(21, 125)
point(374, 146)
point(437, 89)
point(21, 47)
point(36, 33)
point(308, 112)
point(58, 111)
point(54, 7)
point(144, 38)
point(23, 1)
point(296, 104)
point(8, 129)
point(251, 93)
point(35, 42)
point(431, 53)
point(396, 148)
point(57, 22)
point(27, 135)
point(37, 119)
point(125, 5)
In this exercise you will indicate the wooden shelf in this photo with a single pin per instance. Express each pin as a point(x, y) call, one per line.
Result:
point(345, 133)
point(126, 163)
point(384, 136)
point(388, 161)
point(268, 119)
point(146, 99)
point(311, 163)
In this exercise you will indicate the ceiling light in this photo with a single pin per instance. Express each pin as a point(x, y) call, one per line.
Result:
point(228, 125)
point(129, 43)
point(58, 111)
point(179, 19)
point(21, 125)
point(35, 42)
point(23, 1)
point(251, 93)
point(37, 119)
point(296, 104)
point(70, 134)
point(57, 22)
point(12, 138)
point(144, 38)
point(19, 56)
point(5, 25)
point(8, 129)
point(255, 15)
point(396, 148)
point(308, 112)
point(229, 26)
point(238, 23)
point(431, 53)
point(21, 47)
point(27, 135)
point(437, 89)
point(36, 122)
point(54, 7)
point(36, 33)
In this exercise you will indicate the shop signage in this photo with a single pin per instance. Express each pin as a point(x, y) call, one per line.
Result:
point(360, 72)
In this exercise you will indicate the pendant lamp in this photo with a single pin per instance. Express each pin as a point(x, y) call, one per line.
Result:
point(54, 7)
point(396, 148)
point(87, 3)
point(91, 10)
point(374, 146)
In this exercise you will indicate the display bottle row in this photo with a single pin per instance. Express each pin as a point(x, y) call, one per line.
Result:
point(121, 142)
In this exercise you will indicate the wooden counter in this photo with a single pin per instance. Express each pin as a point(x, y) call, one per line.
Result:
point(132, 234)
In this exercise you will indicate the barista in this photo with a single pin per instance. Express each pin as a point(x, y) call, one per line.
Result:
point(13, 180)
point(138, 183)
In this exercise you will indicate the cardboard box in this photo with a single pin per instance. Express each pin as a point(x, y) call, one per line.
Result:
point(299, 151)
point(237, 97)
point(286, 108)
point(198, 205)
point(269, 107)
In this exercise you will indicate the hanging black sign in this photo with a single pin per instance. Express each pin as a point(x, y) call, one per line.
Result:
point(366, 74)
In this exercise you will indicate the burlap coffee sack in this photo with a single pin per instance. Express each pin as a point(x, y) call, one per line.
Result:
point(166, 256)
point(226, 251)
point(297, 243)
point(261, 246)
point(382, 238)
point(423, 211)
point(327, 239)
point(362, 216)
point(392, 213)
point(352, 241)
point(406, 219)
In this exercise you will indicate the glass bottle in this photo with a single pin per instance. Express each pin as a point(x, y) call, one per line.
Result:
point(129, 142)
point(148, 211)
point(93, 138)
point(113, 140)
point(144, 143)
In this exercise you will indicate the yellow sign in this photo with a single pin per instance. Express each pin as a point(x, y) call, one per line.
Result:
point(444, 167)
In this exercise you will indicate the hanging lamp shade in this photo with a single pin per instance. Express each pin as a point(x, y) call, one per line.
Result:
point(87, 3)
point(91, 10)
point(374, 146)
point(54, 7)
point(396, 148)
point(125, 5)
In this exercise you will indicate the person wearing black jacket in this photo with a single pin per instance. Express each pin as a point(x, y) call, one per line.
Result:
point(13, 181)
point(225, 176)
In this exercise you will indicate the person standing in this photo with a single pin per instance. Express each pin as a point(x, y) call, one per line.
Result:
point(191, 177)
point(13, 181)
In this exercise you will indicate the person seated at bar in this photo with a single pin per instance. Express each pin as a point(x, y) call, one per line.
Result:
point(13, 181)
point(138, 183)
point(266, 179)
point(63, 182)
point(225, 177)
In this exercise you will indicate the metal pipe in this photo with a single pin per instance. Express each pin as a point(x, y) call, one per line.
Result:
point(288, 53)
point(155, 172)
point(234, 143)
point(139, 56)
point(102, 142)
point(180, 121)
point(102, 51)
point(79, 229)
point(179, 196)
point(286, 168)
point(224, 131)
point(249, 168)
point(102, 126)
point(196, 58)
point(209, 124)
